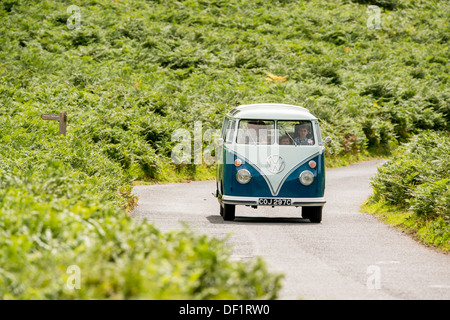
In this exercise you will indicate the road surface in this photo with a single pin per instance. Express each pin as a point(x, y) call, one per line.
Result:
point(349, 255)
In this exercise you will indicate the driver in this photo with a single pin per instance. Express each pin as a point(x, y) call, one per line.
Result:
point(302, 132)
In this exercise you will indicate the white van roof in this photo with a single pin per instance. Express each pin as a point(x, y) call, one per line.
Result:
point(271, 111)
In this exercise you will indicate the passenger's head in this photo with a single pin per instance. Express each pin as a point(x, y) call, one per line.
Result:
point(285, 140)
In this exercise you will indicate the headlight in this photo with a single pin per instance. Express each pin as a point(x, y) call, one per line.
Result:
point(243, 176)
point(306, 177)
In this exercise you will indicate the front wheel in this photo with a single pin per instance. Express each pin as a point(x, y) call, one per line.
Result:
point(228, 211)
point(314, 214)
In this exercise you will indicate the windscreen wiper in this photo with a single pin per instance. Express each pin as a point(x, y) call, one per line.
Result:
point(289, 136)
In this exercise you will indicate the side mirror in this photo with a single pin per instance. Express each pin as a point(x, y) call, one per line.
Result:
point(220, 142)
point(327, 140)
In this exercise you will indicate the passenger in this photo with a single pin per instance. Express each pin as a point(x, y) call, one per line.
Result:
point(285, 140)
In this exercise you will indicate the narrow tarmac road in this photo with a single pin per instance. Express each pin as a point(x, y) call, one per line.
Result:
point(349, 255)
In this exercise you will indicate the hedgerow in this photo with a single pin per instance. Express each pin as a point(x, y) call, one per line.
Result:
point(417, 174)
point(417, 180)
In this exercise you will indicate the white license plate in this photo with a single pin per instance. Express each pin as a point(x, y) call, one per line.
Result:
point(274, 202)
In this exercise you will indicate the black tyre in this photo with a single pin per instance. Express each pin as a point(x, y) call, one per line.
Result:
point(229, 212)
point(314, 214)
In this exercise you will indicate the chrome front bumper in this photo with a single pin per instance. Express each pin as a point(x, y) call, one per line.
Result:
point(253, 201)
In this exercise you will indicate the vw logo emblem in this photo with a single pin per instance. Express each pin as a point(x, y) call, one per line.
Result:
point(275, 164)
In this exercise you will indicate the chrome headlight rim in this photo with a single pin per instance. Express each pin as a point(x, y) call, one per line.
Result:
point(306, 178)
point(243, 176)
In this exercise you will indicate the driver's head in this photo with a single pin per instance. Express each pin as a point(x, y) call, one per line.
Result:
point(303, 131)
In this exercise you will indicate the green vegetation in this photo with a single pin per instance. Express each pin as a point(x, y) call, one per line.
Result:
point(60, 204)
point(138, 70)
point(414, 187)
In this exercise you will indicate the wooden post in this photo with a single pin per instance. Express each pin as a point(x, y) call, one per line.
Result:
point(62, 118)
point(62, 123)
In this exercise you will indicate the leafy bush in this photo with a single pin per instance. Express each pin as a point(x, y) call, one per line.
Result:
point(417, 178)
point(55, 214)
point(413, 188)
point(432, 199)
